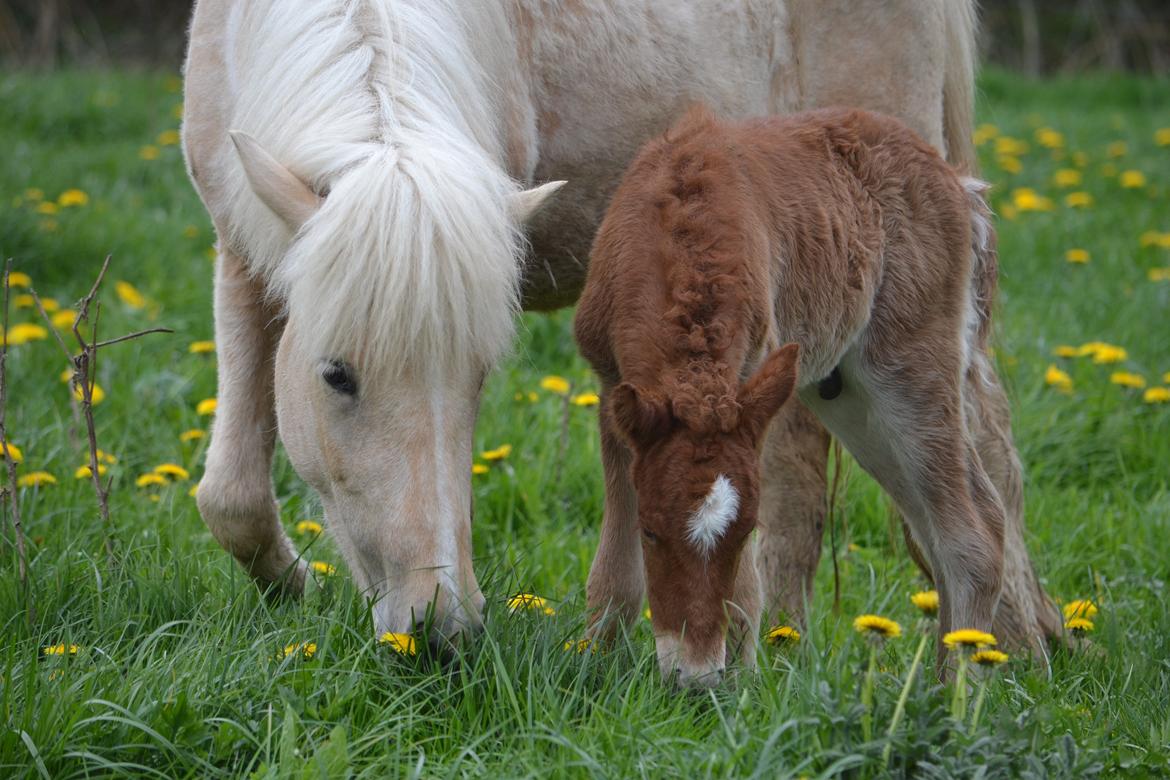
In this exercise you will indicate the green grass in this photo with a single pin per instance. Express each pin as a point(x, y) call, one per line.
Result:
point(177, 675)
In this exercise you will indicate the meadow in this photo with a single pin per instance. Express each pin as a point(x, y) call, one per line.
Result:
point(165, 661)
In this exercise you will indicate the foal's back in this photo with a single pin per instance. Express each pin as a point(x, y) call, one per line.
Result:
point(812, 224)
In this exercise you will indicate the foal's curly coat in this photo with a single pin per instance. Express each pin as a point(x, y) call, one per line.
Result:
point(844, 236)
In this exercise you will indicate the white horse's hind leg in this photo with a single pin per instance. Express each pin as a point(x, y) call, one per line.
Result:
point(617, 580)
point(235, 495)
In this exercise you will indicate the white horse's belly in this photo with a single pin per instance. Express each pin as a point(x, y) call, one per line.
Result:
point(603, 88)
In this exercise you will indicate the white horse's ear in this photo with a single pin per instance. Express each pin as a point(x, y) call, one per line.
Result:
point(525, 204)
point(277, 186)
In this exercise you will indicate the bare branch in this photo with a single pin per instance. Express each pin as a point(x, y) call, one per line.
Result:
point(130, 336)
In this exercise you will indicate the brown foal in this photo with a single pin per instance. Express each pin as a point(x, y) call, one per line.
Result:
point(847, 239)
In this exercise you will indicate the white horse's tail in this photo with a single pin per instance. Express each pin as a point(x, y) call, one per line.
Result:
point(961, 19)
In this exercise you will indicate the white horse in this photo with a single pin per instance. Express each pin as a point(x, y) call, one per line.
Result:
point(368, 165)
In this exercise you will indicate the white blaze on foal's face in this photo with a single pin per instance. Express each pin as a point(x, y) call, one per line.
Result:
point(710, 521)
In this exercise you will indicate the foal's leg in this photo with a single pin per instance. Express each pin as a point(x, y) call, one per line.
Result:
point(235, 495)
point(792, 509)
point(1026, 616)
point(743, 612)
point(617, 580)
point(907, 431)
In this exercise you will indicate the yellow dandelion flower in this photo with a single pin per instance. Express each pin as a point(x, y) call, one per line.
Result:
point(1027, 199)
point(206, 407)
point(1049, 138)
point(1162, 136)
point(83, 472)
point(148, 480)
point(586, 399)
point(1080, 256)
point(969, 638)
point(877, 626)
point(1154, 238)
point(1067, 351)
point(129, 294)
point(96, 394)
point(106, 457)
point(61, 649)
point(1067, 177)
point(1079, 625)
point(984, 133)
point(10, 450)
point(148, 152)
point(783, 635)
point(63, 320)
point(323, 568)
point(1133, 180)
point(1159, 274)
point(646, 614)
point(499, 453)
point(927, 601)
point(48, 207)
point(194, 489)
point(555, 384)
point(1009, 164)
point(1054, 377)
point(479, 468)
point(581, 646)
point(167, 138)
point(173, 470)
point(989, 657)
point(1157, 395)
point(1078, 200)
point(192, 435)
point(309, 528)
point(24, 332)
point(72, 197)
point(1127, 379)
point(19, 279)
point(528, 601)
point(201, 347)
point(306, 649)
point(1108, 353)
point(1117, 149)
point(1007, 146)
point(403, 644)
point(23, 301)
point(36, 479)
point(1082, 608)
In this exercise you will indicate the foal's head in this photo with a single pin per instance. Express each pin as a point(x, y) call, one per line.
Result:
point(696, 472)
point(401, 287)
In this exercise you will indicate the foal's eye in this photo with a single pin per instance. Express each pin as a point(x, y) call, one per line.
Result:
point(339, 377)
point(650, 535)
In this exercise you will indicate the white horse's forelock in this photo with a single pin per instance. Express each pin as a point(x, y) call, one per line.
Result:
point(713, 517)
point(413, 259)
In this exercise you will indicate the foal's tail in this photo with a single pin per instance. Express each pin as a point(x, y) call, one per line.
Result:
point(985, 263)
point(959, 84)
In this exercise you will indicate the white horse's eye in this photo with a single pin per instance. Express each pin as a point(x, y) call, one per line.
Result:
point(340, 377)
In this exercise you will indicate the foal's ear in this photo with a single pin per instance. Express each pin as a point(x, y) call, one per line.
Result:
point(277, 186)
point(642, 416)
point(526, 203)
point(768, 389)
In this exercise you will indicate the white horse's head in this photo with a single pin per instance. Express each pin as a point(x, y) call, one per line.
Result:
point(401, 288)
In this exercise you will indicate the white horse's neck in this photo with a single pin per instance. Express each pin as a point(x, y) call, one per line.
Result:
point(389, 106)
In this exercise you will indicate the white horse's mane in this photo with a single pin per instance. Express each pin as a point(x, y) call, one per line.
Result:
point(381, 106)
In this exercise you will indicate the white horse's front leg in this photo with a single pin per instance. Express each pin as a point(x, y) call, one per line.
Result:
point(235, 495)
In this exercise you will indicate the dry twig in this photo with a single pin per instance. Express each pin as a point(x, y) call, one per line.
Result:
point(84, 365)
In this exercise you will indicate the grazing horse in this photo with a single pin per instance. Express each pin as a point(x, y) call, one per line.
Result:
point(369, 169)
point(844, 237)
